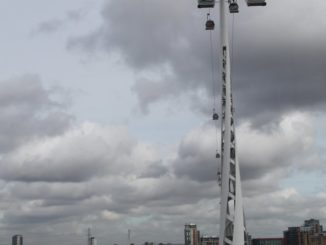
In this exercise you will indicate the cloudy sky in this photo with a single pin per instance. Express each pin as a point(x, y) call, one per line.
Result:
point(106, 118)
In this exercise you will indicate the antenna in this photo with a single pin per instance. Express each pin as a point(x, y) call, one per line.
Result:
point(129, 236)
point(89, 235)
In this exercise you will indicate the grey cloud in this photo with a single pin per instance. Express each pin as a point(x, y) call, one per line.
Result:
point(27, 112)
point(83, 152)
point(49, 26)
point(54, 25)
point(29, 218)
point(149, 91)
point(51, 203)
point(61, 193)
point(167, 191)
point(273, 73)
point(151, 37)
point(155, 170)
point(194, 160)
point(142, 192)
point(282, 82)
point(131, 28)
point(284, 207)
point(31, 94)
point(264, 154)
point(38, 214)
point(75, 156)
point(76, 15)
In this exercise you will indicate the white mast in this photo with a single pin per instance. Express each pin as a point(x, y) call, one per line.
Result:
point(129, 236)
point(232, 223)
point(89, 235)
point(232, 227)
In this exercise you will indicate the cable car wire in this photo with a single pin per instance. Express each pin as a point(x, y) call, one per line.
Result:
point(215, 115)
point(212, 68)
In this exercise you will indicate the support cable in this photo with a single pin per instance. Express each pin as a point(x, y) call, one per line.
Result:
point(212, 69)
point(213, 79)
point(232, 65)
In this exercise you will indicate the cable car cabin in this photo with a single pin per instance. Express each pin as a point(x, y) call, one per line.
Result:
point(234, 8)
point(256, 3)
point(210, 25)
point(206, 3)
point(215, 116)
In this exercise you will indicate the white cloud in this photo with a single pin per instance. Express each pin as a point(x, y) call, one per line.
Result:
point(110, 215)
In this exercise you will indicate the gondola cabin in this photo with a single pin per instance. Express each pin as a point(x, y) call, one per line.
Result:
point(206, 3)
point(256, 2)
point(234, 8)
point(209, 25)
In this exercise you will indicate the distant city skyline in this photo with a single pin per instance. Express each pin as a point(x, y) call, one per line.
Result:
point(311, 232)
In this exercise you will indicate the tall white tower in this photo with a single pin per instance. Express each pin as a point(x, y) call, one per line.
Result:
point(232, 223)
point(232, 227)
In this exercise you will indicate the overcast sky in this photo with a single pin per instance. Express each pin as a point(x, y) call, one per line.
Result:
point(105, 118)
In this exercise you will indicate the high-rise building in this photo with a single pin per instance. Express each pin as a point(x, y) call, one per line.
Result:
point(192, 235)
point(311, 233)
point(318, 239)
point(268, 241)
point(292, 236)
point(312, 226)
point(205, 240)
point(17, 240)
